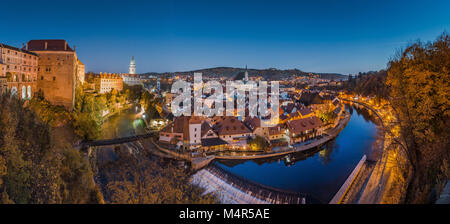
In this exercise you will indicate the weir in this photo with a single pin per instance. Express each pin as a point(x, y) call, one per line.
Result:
point(235, 189)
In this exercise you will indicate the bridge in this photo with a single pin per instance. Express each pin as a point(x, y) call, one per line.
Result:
point(115, 141)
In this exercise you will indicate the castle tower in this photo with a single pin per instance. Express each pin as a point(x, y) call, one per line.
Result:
point(132, 69)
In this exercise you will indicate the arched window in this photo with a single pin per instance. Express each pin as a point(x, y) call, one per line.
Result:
point(24, 92)
point(29, 92)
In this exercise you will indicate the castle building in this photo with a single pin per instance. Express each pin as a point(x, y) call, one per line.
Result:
point(131, 79)
point(105, 82)
point(132, 68)
point(81, 71)
point(18, 71)
point(57, 72)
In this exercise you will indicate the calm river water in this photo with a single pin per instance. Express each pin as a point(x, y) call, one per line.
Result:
point(321, 172)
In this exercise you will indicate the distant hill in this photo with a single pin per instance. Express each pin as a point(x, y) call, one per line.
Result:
point(270, 73)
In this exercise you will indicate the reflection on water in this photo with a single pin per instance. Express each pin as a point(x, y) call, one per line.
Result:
point(319, 172)
point(123, 124)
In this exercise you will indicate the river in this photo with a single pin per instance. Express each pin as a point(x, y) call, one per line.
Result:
point(319, 173)
point(123, 124)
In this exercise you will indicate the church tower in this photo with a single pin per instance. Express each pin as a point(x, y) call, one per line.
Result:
point(132, 69)
point(246, 74)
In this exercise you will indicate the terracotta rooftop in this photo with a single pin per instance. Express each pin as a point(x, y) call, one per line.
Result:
point(205, 128)
point(276, 130)
point(231, 126)
point(298, 126)
point(16, 49)
point(252, 122)
point(179, 125)
point(48, 45)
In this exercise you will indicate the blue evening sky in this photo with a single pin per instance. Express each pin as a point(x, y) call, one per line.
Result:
point(317, 36)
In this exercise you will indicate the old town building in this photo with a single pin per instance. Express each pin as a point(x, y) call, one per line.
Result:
point(184, 132)
point(18, 71)
point(105, 82)
point(233, 131)
point(302, 130)
point(131, 79)
point(58, 70)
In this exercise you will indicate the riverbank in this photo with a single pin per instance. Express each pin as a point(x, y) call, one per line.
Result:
point(365, 185)
point(200, 162)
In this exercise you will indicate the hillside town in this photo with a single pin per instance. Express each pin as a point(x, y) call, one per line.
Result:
point(52, 69)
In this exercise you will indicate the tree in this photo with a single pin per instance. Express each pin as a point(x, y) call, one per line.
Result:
point(32, 168)
point(419, 94)
point(149, 102)
point(88, 114)
point(258, 143)
point(142, 180)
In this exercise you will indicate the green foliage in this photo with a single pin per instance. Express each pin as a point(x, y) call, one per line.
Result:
point(51, 114)
point(32, 169)
point(258, 143)
point(133, 93)
point(327, 116)
point(149, 102)
point(88, 113)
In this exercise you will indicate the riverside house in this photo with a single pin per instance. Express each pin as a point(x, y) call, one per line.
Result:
point(304, 129)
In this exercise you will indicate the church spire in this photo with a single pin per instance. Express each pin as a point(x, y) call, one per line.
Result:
point(246, 74)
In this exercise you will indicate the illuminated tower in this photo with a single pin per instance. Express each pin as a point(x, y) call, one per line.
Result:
point(246, 74)
point(132, 69)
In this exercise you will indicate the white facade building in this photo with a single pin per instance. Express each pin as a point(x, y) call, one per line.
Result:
point(131, 79)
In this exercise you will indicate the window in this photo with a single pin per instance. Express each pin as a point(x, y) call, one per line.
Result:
point(42, 77)
point(54, 78)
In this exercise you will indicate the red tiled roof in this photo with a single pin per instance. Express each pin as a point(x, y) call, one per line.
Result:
point(252, 122)
point(205, 128)
point(231, 126)
point(179, 125)
point(276, 130)
point(298, 126)
point(17, 49)
point(52, 45)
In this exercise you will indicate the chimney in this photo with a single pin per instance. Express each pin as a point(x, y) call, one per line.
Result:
point(45, 47)
point(65, 46)
point(26, 46)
